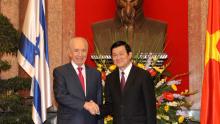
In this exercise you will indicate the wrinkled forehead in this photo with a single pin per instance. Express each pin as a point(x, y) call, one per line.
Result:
point(78, 43)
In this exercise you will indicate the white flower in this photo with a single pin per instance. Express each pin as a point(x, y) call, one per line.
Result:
point(178, 96)
point(177, 82)
point(183, 113)
point(107, 72)
point(149, 61)
point(172, 103)
point(165, 117)
point(103, 83)
point(174, 122)
point(160, 83)
point(158, 117)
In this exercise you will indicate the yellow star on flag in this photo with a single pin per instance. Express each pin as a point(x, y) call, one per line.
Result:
point(212, 46)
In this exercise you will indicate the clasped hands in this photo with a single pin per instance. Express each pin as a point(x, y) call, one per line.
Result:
point(92, 107)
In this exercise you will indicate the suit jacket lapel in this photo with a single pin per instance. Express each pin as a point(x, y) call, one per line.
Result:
point(88, 84)
point(130, 79)
point(117, 82)
point(74, 78)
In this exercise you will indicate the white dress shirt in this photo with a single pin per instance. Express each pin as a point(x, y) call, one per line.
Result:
point(126, 72)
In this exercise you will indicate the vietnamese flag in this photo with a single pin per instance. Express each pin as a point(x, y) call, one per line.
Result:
point(210, 104)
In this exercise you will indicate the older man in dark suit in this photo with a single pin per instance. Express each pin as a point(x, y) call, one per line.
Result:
point(129, 90)
point(77, 87)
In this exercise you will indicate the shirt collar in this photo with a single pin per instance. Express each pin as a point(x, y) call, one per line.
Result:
point(126, 70)
point(75, 66)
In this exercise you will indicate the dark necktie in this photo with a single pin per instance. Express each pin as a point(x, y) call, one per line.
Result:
point(122, 80)
point(81, 78)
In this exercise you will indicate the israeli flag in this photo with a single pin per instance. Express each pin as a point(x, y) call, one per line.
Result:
point(33, 58)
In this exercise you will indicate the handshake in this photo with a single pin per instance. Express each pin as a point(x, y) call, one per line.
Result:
point(92, 107)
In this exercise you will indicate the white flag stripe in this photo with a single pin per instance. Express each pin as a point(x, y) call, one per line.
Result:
point(37, 119)
point(31, 18)
point(25, 65)
point(32, 56)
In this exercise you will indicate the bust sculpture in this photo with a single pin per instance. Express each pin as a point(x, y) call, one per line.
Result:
point(143, 34)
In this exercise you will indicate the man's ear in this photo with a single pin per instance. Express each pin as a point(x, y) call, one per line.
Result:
point(70, 54)
point(130, 55)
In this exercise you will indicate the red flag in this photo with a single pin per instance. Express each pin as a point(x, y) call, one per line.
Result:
point(210, 105)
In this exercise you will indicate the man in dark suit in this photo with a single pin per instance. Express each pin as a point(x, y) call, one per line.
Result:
point(142, 34)
point(77, 87)
point(129, 90)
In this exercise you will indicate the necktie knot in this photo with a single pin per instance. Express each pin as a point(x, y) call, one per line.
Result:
point(122, 73)
point(79, 69)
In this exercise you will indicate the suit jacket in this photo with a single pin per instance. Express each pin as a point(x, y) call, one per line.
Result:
point(149, 35)
point(70, 95)
point(136, 104)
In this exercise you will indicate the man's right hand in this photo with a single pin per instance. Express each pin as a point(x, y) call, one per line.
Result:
point(92, 107)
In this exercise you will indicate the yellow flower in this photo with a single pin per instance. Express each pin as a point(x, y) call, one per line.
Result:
point(181, 119)
point(173, 86)
point(140, 65)
point(166, 108)
point(99, 65)
point(108, 118)
point(185, 92)
point(112, 67)
point(159, 69)
point(99, 69)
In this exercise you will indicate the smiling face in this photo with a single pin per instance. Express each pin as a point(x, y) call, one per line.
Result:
point(121, 57)
point(78, 50)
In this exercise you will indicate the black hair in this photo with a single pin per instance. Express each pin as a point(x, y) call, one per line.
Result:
point(121, 43)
